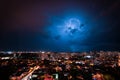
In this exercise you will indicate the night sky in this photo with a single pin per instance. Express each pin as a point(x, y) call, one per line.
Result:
point(60, 25)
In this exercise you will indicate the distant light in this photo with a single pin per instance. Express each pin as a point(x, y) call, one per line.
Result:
point(79, 62)
point(56, 76)
point(42, 52)
point(59, 60)
point(92, 64)
point(66, 58)
point(9, 52)
point(88, 56)
point(5, 58)
point(34, 75)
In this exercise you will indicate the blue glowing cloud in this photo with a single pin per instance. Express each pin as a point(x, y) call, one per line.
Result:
point(68, 32)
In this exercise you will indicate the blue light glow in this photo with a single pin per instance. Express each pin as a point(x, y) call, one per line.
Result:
point(68, 29)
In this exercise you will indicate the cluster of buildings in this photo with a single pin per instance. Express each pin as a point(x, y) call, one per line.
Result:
point(101, 57)
point(22, 64)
